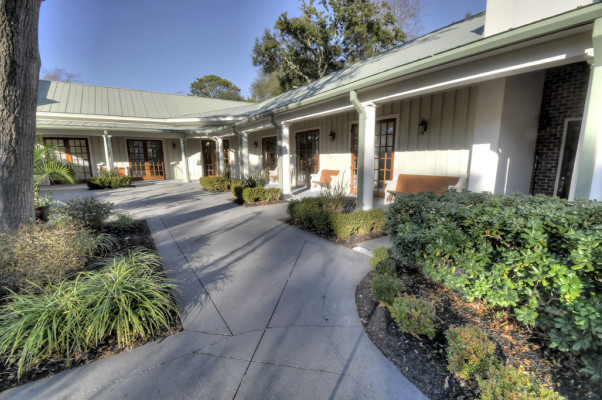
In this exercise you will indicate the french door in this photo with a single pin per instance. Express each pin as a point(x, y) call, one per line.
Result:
point(308, 156)
point(209, 158)
point(74, 151)
point(269, 153)
point(146, 159)
point(383, 155)
point(568, 153)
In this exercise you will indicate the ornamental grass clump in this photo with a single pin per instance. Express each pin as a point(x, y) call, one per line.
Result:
point(43, 253)
point(414, 316)
point(509, 383)
point(128, 298)
point(470, 353)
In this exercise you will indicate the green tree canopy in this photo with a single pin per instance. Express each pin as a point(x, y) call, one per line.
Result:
point(265, 86)
point(325, 38)
point(215, 87)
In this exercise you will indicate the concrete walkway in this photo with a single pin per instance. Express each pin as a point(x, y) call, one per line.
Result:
point(268, 312)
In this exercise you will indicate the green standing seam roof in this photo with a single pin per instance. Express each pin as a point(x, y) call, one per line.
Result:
point(76, 98)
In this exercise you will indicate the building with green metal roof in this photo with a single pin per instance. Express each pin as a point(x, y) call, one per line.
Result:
point(507, 100)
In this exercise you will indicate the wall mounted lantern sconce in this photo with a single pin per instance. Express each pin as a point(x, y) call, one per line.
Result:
point(207, 143)
point(422, 126)
point(332, 135)
point(173, 145)
point(255, 144)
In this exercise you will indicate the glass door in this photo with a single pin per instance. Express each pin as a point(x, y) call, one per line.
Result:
point(308, 156)
point(383, 155)
point(209, 157)
point(355, 131)
point(75, 151)
point(567, 159)
point(269, 153)
point(146, 159)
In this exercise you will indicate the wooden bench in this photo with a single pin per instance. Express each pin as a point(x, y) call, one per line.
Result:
point(407, 183)
point(324, 177)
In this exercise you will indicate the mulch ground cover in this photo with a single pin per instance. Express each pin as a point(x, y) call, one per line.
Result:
point(424, 362)
point(137, 237)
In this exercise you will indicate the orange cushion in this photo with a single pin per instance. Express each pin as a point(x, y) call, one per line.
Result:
point(407, 183)
point(326, 176)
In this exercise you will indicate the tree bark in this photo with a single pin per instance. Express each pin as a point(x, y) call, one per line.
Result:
point(19, 71)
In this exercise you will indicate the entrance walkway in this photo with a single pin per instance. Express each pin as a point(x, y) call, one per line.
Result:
point(268, 312)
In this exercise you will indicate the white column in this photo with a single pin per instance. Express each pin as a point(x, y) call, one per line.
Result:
point(108, 151)
point(244, 152)
point(284, 163)
point(367, 129)
point(220, 156)
point(184, 159)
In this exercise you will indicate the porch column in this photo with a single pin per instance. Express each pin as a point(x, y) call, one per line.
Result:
point(184, 159)
point(244, 152)
point(588, 165)
point(365, 185)
point(284, 161)
point(108, 151)
point(220, 156)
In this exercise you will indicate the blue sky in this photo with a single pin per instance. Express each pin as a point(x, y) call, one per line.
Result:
point(164, 46)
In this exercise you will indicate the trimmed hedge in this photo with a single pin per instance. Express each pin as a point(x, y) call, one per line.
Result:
point(258, 194)
point(539, 256)
point(506, 382)
point(215, 183)
point(104, 182)
point(312, 213)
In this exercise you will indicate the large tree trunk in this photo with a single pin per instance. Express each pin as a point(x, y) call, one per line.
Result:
point(19, 71)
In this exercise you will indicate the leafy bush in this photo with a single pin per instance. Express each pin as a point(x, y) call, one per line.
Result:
point(379, 254)
point(109, 180)
point(257, 194)
point(46, 252)
point(89, 211)
point(537, 255)
point(386, 267)
point(127, 297)
point(312, 213)
point(215, 183)
point(506, 382)
point(470, 353)
point(414, 316)
point(385, 288)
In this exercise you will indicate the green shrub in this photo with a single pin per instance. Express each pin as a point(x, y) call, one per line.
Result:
point(386, 267)
point(509, 383)
point(47, 252)
point(89, 211)
point(109, 179)
point(379, 254)
point(537, 255)
point(470, 353)
point(414, 316)
point(257, 194)
point(128, 297)
point(385, 288)
point(313, 213)
point(235, 182)
point(215, 183)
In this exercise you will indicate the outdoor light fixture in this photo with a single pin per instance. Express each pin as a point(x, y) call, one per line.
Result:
point(422, 126)
point(332, 135)
point(173, 145)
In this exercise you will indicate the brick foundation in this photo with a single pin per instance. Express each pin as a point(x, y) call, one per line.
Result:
point(564, 93)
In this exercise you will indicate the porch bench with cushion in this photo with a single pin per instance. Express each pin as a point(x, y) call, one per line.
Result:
point(325, 177)
point(273, 176)
point(407, 183)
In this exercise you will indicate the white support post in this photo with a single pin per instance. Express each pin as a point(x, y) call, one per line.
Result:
point(220, 156)
point(244, 152)
point(184, 159)
point(366, 157)
point(108, 151)
point(284, 164)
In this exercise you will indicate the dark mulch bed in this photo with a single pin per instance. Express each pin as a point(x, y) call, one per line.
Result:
point(137, 237)
point(423, 361)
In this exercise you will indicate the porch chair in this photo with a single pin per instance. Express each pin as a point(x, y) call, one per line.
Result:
point(407, 183)
point(327, 177)
point(273, 176)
